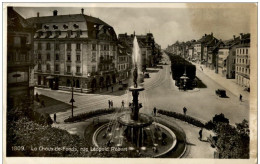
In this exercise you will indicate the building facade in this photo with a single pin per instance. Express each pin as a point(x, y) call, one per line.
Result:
point(76, 45)
point(20, 63)
point(243, 61)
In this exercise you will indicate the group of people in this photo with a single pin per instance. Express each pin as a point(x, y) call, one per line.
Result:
point(110, 104)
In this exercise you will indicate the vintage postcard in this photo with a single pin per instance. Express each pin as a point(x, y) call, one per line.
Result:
point(130, 82)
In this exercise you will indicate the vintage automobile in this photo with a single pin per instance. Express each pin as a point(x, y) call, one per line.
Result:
point(146, 75)
point(221, 92)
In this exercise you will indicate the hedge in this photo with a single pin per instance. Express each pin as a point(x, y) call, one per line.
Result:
point(84, 116)
point(182, 117)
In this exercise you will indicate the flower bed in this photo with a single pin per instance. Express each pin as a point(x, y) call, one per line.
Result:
point(84, 116)
point(182, 117)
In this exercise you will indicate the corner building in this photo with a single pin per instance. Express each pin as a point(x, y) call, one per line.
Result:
point(78, 45)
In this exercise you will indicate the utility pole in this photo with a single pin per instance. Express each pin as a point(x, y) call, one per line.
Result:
point(72, 99)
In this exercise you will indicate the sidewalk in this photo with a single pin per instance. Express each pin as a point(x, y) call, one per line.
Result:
point(98, 91)
point(228, 84)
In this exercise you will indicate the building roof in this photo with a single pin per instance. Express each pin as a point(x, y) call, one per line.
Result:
point(67, 18)
point(15, 22)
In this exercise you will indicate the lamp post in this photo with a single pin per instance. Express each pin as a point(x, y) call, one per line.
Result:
point(72, 99)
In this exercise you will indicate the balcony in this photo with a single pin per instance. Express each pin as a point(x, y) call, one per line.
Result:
point(78, 74)
point(68, 73)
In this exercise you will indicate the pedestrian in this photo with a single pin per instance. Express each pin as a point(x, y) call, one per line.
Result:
point(123, 103)
point(109, 103)
point(200, 133)
point(184, 110)
point(154, 111)
point(112, 88)
point(54, 117)
point(240, 97)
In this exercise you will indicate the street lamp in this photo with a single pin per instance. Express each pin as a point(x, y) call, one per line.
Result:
point(72, 99)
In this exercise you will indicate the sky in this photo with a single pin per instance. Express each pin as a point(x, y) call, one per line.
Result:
point(168, 24)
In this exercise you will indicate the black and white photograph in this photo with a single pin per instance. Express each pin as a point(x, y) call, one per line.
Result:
point(130, 80)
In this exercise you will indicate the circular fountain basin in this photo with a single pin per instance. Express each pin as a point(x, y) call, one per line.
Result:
point(148, 149)
point(143, 120)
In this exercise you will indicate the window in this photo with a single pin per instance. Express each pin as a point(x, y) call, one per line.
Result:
point(17, 41)
point(243, 61)
point(114, 48)
point(39, 67)
point(68, 68)
point(48, 56)
point(93, 68)
point(78, 57)
point(68, 57)
point(39, 46)
point(68, 46)
point(246, 51)
point(78, 46)
point(93, 58)
point(57, 57)
point(57, 46)
point(48, 46)
point(239, 51)
point(57, 68)
point(243, 51)
point(78, 69)
point(39, 56)
point(48, 67)
point(94, 48)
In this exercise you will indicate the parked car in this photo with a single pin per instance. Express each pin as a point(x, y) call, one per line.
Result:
point(146, 75)
point(221, 92)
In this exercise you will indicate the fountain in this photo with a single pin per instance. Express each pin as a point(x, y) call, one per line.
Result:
point(137, 132)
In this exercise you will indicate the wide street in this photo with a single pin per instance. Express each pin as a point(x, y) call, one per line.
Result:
point(160, 92)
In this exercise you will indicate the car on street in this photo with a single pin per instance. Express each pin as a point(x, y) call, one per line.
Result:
point(146, 75)
point(221, 93)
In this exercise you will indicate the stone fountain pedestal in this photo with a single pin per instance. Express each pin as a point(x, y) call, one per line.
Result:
point(134, 121)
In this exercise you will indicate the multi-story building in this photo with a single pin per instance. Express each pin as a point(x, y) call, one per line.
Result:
point(147, 47)
point(243, 61)
point(201, 49)
point(78, 45)
point(231, 59)
point(20, 64)
point(124, 61)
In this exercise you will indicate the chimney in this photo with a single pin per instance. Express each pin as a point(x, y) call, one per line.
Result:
point(55, 13)
point(38, 14)
point(211, 33)
point(234, 36)
point(82, 11)
point(205, 34)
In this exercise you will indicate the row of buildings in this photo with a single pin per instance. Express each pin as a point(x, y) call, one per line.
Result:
point(47, 51)
point(230, 58)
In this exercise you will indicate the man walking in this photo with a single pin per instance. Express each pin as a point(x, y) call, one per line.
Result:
point(123, 104)
point(200, 133)
point(154, 111)
point(112, 88)
point(109, 103)
point(240, 97)
point(54, 117)
point(184, 110)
